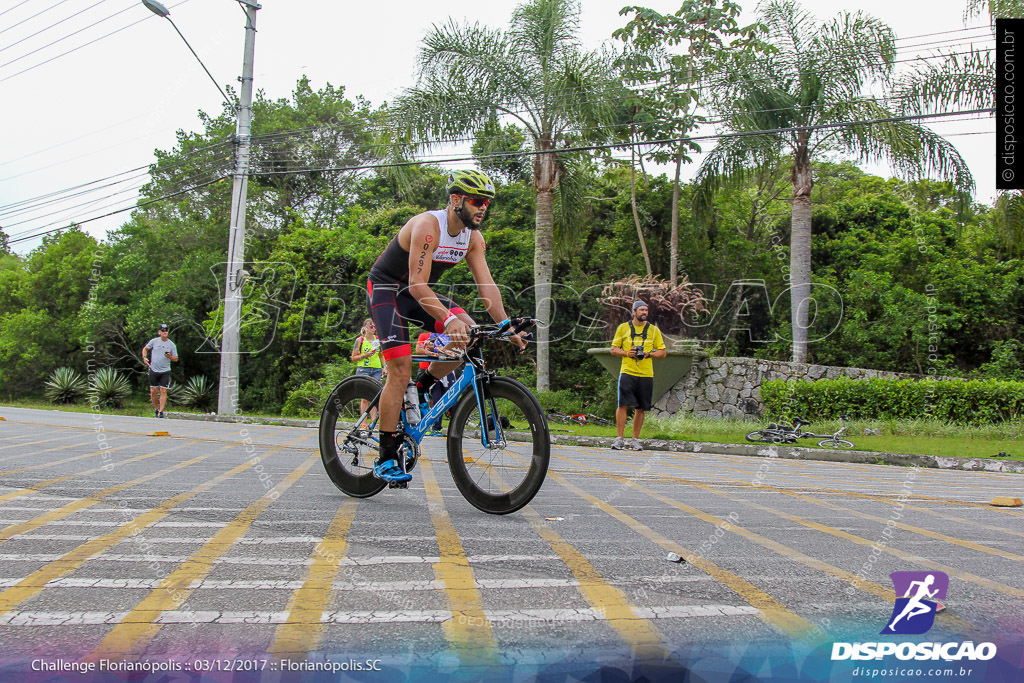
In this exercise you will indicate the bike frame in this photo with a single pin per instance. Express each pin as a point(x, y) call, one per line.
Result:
point(473, 376)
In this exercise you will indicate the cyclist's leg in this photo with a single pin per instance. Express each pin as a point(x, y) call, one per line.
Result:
point(385, 302)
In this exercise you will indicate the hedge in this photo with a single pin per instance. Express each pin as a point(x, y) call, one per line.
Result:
point(965, 402)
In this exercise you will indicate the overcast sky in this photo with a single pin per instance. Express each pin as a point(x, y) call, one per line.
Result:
point(100, 110)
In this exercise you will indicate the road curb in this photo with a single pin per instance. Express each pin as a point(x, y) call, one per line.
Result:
point(710, 448)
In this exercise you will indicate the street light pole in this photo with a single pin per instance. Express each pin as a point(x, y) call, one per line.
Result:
point(234, 280)
point(227, 397)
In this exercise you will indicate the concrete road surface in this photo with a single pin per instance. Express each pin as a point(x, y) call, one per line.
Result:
point(222, 551)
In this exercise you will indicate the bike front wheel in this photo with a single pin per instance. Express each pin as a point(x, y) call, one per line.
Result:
point(501, 475)
point(348, 443)
point(835, 443)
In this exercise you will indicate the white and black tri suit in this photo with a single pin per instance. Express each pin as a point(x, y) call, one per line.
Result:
point(392, 305)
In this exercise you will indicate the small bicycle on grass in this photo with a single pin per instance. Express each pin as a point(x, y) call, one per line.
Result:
point(781, 433)
point(493, 472)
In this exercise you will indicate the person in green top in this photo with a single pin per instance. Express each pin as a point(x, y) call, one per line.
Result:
point(366, 355)
point(366, 352)
point(636, 342)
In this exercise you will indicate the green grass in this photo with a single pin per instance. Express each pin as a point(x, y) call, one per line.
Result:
point(922, 437)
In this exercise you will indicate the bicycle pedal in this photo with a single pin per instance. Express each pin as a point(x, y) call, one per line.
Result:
point(398, 485)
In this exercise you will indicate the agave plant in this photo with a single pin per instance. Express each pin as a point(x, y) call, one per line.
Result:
point(65, 385)
point(108, 388)
point(199, 392)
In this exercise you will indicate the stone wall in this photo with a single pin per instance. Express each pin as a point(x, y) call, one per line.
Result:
point(731, 387)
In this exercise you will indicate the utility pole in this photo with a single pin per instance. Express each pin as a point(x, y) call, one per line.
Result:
point(234, 280)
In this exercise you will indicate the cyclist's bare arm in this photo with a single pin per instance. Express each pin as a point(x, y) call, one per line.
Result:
point(490, 294)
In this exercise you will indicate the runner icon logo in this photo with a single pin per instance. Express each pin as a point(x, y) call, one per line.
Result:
point(917, 598)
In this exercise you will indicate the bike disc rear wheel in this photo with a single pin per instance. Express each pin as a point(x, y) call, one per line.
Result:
point(505, 475)
point(348, 442)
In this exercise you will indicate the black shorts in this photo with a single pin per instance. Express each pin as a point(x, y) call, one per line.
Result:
point(392, 307)
point(160, 379)
point(635, 392)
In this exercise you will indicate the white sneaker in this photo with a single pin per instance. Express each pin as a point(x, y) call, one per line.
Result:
point(634, 445)
point(617, 445)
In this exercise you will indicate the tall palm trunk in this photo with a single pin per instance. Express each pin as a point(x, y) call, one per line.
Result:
point(800, 250)
point(545, 179)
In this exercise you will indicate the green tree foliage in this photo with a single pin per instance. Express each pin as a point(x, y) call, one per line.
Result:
point(807, 89)
point(536, 73)
point(667, 81)
point(38, 315)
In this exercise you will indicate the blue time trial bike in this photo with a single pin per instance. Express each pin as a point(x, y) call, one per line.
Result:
point(498, 444)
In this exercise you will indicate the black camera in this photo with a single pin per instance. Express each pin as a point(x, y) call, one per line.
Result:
point(639, 348)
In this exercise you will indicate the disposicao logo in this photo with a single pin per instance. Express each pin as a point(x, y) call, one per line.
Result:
point(917, 595)
point(917, 599)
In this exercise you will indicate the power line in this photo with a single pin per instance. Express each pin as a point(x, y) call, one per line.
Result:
point(615, 145)
point(70, 35)
point(23, 2)
point(74, 49)
point(128, 208)
point(47, 28)
point(33, 17)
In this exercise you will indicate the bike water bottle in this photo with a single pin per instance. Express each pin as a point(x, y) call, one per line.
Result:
point(412, 404)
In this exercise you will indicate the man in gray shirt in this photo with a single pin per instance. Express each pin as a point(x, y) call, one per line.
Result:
point(164, 351)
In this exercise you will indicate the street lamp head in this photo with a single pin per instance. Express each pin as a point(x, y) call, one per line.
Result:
point(156, 8)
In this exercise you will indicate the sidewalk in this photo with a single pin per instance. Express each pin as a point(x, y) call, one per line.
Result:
point(749, 450)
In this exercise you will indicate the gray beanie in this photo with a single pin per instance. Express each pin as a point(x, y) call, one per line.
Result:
point(638, 303)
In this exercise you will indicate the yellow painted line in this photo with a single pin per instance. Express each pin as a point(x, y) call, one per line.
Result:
point(642, 636)
point(639, 633)
point(130, 637)
point(54, 463)
point(56, 480)
point(88, 501)
point(33, 443)
point(468, 631)
point(303, 630)
point(71, 561)
point(855, 494)
point(871, 587)
point(774, 613)
point(971, 545)
point(839, 533)
point(34, 454)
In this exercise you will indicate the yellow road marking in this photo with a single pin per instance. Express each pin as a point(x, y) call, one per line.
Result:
point(71, 561)
point(773, 612)
point(33, 443)
point(303, 630)
point(54, 463)
point(468, 631)
point(856, 494)
point(859, 582)
point(640, 634)
point(966, 576)
point(138, 628)
point(88, 501)
point(907, 527)
point(34, 488)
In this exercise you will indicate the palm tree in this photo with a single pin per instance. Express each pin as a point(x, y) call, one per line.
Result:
point(535, 73)
point(800, 100)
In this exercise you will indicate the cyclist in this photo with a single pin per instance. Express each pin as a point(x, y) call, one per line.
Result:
point(400, 290)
